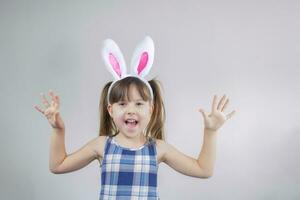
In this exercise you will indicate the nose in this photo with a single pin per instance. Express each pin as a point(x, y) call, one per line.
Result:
point(131, 109)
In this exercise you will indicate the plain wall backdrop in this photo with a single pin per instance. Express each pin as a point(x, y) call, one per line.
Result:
point(248, 50)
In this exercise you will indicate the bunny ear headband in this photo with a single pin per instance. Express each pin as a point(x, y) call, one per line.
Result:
point(141, 61)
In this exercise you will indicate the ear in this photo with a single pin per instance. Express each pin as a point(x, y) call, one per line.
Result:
point(143, 57)
point(109, 109)
point(113, 59)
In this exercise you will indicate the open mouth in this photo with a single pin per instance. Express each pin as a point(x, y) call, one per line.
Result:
point(131, 123)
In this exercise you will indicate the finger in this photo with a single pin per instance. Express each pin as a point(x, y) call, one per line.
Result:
point(51, 93)
point(221, 102)
point(38, 109)
point(44, 100)
point(225, 105)
point(57, 98)
point(57, 101)
point(202, 112)
point(55, 114)
point(230, 115)
point(214, 104)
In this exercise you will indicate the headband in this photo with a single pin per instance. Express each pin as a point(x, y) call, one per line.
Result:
point(141, 61)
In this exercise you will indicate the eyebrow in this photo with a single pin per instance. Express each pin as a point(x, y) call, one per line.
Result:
point(136, 100)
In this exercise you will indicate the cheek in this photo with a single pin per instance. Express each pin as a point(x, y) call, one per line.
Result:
point(118, 117)
point(146, 115)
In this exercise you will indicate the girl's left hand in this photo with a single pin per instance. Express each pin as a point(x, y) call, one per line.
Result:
point(216, 118)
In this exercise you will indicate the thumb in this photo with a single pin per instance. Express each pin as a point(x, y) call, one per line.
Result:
point(202, 112)
point(56, 115)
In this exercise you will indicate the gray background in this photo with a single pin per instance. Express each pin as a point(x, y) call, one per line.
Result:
point(248, 50)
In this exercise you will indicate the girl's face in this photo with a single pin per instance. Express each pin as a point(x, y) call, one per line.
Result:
point(131, 117)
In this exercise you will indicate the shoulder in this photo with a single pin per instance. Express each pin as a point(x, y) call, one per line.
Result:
point(162, 148)
point(165, 150)
point(162, 144)
point(98, 145)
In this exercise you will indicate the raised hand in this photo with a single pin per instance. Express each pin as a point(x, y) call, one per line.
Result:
point(51, 111)
point(214, 120)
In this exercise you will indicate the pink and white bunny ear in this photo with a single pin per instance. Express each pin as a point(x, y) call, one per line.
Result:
point(143, 57)
point(113, 59)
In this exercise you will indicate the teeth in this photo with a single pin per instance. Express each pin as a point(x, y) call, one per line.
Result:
point(131, 121)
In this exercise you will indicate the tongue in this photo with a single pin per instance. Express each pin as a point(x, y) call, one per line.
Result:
point(131, 124)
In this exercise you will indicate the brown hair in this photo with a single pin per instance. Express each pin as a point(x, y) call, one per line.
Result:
point(119, 91)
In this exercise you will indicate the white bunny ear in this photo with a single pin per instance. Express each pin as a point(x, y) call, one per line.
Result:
point(113, 59)
point(142, 58)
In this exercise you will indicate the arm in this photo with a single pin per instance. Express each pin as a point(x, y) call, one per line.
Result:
point(207, 155)
point(181, 162)
point(61, 163)
point(203, 166)
point(57, 149)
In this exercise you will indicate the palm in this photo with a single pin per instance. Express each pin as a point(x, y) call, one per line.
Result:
point(52, 111)
point(217, 117)
point(51, 114)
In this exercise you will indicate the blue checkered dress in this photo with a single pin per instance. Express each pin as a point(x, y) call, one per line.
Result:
point(129, 173)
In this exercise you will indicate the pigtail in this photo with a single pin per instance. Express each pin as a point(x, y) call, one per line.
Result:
point(107, 126)
point(156, 124)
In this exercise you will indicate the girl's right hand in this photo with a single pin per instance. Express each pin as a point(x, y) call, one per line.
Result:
point(52, 111)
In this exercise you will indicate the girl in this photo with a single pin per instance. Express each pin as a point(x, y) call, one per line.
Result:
point(131, 145)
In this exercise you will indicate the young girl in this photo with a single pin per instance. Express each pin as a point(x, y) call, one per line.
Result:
point(131, 145)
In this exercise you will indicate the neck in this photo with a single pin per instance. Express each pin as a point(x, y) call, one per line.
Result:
point(137, 141)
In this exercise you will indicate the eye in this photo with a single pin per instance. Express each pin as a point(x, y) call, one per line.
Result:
point(140, 104)
point(121, 104)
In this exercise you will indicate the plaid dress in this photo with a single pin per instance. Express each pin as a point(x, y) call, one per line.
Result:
point(128, 174)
